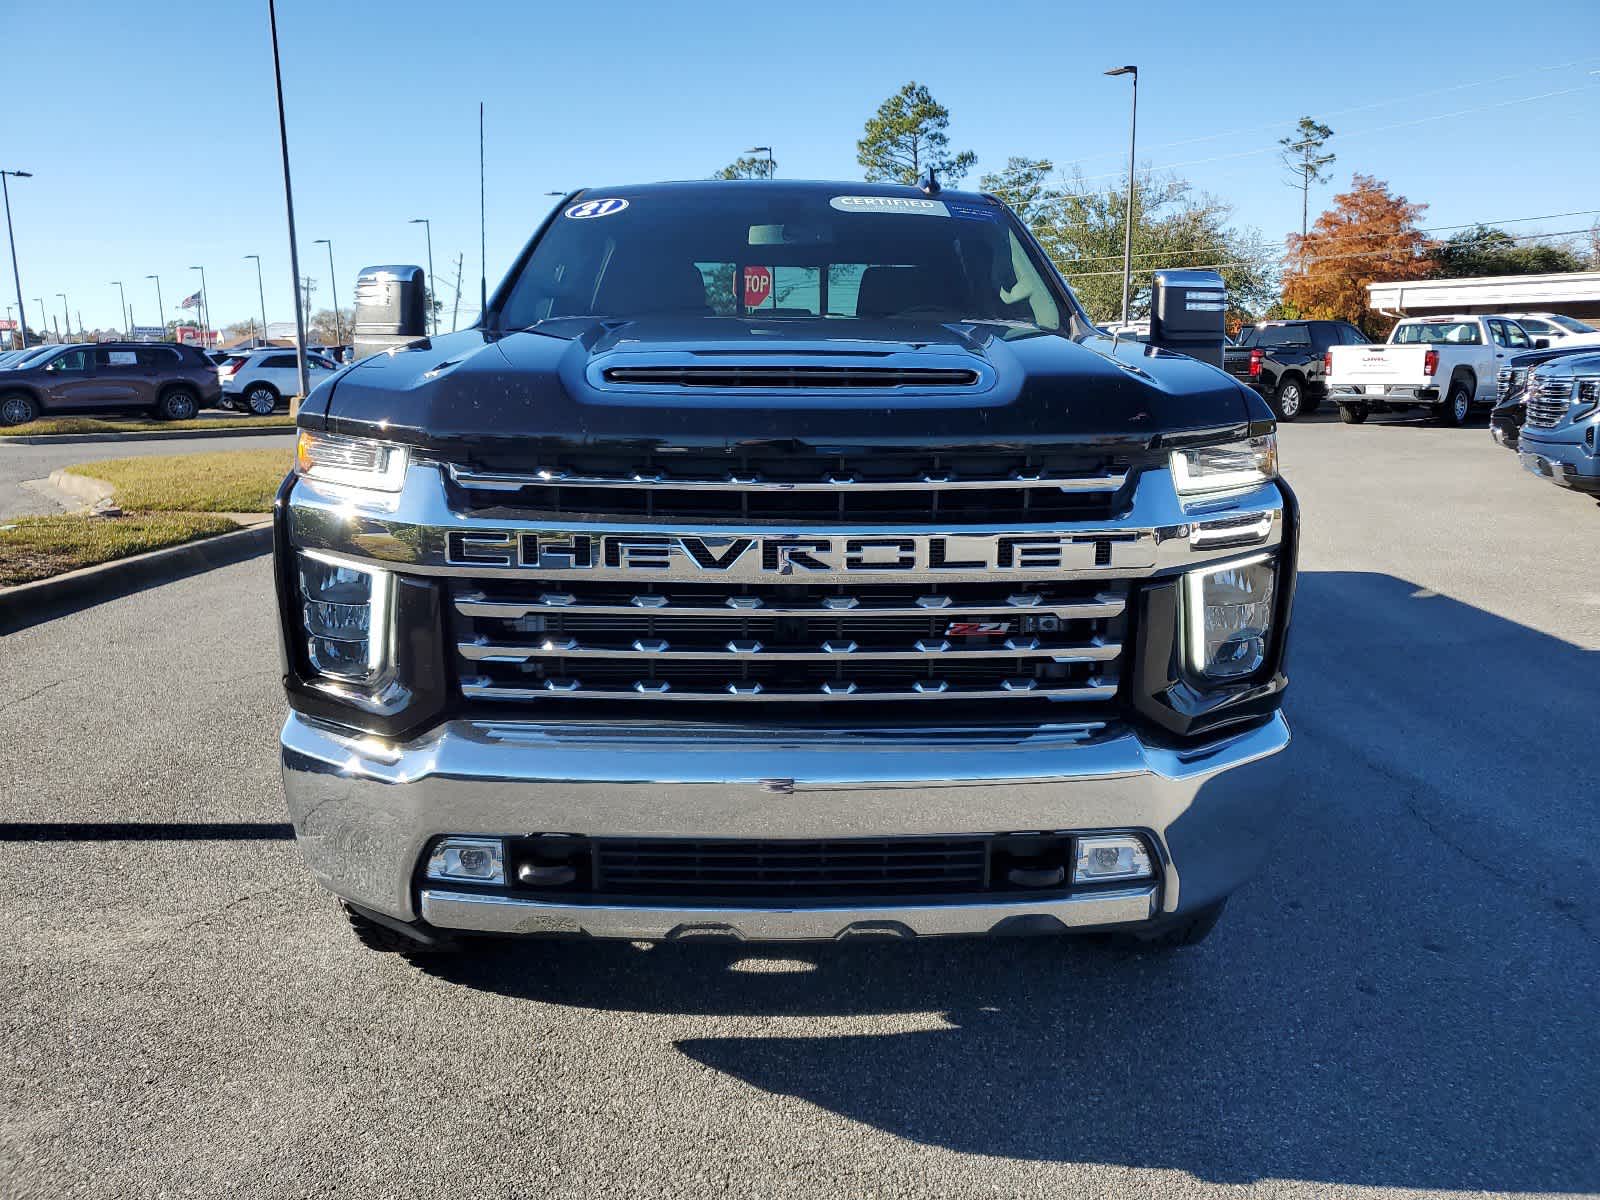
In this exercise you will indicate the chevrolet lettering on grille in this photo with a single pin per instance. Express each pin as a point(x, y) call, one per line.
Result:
point(754, 558)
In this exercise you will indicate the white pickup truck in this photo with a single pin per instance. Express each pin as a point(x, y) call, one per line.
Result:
point(1447, 364)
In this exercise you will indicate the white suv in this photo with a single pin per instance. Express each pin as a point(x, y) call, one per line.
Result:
point(258, 382)
point(1556, 327)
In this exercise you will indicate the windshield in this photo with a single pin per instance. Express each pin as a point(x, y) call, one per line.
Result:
point(1571, 324)
point(773, 252)
point(1437, 333)
point(28, 357)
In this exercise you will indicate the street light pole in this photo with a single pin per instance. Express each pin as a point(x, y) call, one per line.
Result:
point(161, 308)
point(65, 315)
point(1127, 237)
point(427, 227)
point(44, 320)
point(205, 311)
point(771, 166)
point(11, 240)
point(333, 286)
point(261, 291)
point(122, 297)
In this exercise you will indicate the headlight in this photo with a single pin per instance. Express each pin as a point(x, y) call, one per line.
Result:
point(352, 462)
point(345, 614)
point(1228, 467)
point(1588, 393)
point(1230, 617)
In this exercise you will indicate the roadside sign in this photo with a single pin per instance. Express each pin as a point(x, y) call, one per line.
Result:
point(757, 286)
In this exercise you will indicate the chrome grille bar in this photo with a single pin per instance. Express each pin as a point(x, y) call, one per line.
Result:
point(555, 689)
point(657, 649)
point(514, 481)
point(478, 605)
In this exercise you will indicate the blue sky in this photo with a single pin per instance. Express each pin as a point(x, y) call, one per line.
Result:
point(154, 140)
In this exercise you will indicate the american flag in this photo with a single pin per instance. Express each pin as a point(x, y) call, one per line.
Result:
point(190, 301)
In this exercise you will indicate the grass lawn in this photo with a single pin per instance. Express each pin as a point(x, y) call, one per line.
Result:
point(37, 547)
point(139, 425)
point(219, 481)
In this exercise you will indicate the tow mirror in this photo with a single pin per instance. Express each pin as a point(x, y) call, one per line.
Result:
point(1188, 311)
point(391, 308)
point(1541, 343)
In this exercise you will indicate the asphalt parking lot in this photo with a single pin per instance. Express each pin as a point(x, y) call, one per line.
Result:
point(1404, 1004)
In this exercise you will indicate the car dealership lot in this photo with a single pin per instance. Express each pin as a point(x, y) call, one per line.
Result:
point(1403, 1003)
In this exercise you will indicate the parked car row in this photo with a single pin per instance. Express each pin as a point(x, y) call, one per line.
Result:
point(165, 379)
point(1549, 413)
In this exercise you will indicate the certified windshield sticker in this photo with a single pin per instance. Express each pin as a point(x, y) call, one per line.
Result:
point(905, 205)
point(597, 208)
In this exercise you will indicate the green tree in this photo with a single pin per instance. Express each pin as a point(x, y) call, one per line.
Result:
point(324, 330)
point(1485, 250)
point(1081, 228)
point(1023, 186)
point(748, 166)
point(906, 137)
point(1302, 155)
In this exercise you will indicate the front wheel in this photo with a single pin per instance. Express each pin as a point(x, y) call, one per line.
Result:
point(261, 400)
point(179, 404)
point(18, 409)
point(1289, 400)
point(1352, 414)
point(1457, 406)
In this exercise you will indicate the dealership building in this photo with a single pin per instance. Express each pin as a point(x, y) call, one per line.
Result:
point(1575, 294)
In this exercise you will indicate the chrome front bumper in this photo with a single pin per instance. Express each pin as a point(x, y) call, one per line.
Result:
point(365, 810)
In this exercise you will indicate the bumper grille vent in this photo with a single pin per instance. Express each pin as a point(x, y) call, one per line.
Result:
point(768, 377)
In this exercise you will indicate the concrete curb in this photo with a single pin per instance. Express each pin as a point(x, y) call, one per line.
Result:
point(151, 435)
point(83, 488)
point(29, 603)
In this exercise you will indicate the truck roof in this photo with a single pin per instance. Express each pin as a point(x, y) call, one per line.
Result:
point(819, 187)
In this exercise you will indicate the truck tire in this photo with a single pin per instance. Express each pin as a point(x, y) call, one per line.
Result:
point(1352, 414)
point(384, 940)
point(18, 408)
point(1191, 932)
point(1457, 406)
point(1289, 400)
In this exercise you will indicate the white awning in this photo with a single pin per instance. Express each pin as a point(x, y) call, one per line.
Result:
point(1575, 293)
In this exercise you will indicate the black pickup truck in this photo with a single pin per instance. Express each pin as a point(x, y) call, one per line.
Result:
point(784, 561)
point(1283, 360)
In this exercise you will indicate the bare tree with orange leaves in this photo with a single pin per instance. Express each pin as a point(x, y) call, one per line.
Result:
point(1369, 235)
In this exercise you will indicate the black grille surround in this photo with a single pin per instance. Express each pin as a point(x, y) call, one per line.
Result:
point(756, 871)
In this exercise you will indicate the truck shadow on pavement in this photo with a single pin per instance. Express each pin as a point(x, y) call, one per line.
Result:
point(1407, 998)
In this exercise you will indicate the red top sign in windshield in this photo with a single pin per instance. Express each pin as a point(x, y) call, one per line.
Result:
point(757, 286)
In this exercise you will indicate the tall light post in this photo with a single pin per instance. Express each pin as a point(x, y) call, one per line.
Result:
point(205, 310)
point(122, 299)
point(433, 325)
point(261, 291)
point(1127, 237)
point(333, 286)
point(44, 319)
point(11, 240)
point(161, 310)
point(771, 167)
point(66, 317)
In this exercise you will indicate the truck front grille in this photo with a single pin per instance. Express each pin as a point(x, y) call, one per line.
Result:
point(1547, 402)
point(938, 489)
point(565, 642)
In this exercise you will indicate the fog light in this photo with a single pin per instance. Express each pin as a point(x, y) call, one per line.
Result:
point(1106, 858)
point(474, 860)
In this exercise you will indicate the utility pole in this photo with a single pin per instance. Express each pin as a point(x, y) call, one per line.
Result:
point(455, 316)
point(11, 240)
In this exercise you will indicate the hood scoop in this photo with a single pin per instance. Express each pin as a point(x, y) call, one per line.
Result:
point(771, 375)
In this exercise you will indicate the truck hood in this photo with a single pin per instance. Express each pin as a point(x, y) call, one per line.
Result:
point(476, 392)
